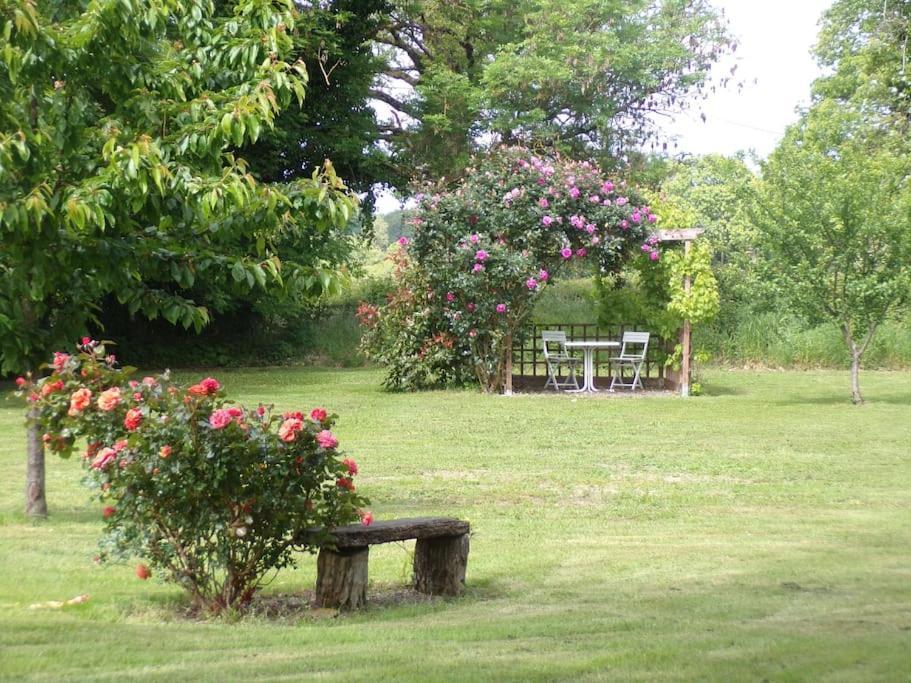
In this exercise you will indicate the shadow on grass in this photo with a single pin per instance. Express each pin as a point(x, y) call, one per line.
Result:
point(845, 399)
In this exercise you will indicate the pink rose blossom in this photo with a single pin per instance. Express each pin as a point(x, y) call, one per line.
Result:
point(288, 430)
point(654, 256)
point(472, 333)
point(607, 187)
point(546, 221)
point(450, 297)
point(104, 458)
point(367, 518)
point(60, 360)
point(543, 203)
point(652, 218)
point(580, 252)
point(531, 283)
point(471, 307)
point(574, 192)
point(480, 255)
point(219, 419)
point(403, 241)
point(478, 267)
point(543, 275)
point(566, 252)
point(621, 201)
point(79, 401)
point(133, 419)
point(318, 415)
point(624, 224)
point(501, 308)
point(474, 238)
point(595, 199)
point(636, 217)
point(325, 439)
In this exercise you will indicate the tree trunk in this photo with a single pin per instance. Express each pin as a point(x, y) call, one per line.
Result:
point(35, 501)
point(439, 564)
point(341, 578)
point(856, 397)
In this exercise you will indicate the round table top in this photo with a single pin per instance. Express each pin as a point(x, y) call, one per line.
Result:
point(592, 344)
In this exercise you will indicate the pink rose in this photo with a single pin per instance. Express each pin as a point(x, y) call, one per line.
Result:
point(636, 217)
point(450, 297)
point(133, 419)
point(607, 187)
point(474, 238)
point(580, 252)
point(109, 399)
point(104, 458)
point(501, 308)
point(480, 255)
point(221, 418)
point(547, 220)
point(543, 203)
point(403, 241)
point(288, 430)
point(574, 192)
point(472, 333)
point(165, 452)
point(654, 256)
point(652, 218)
point(531, 283)
point(60, 360)
point(149, 381)
point(21, 382)
point(478, 267)
point(566, 252)
point(595, 199)
point(367, 518)
point(543, 275)
point(318, 415)
point(471, 307)
point(326, 440)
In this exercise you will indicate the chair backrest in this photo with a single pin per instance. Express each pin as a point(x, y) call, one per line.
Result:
point(556, 338)
point(634, 339)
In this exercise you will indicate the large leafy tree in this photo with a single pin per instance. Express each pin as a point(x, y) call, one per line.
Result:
point(835, 212)
point(583, 75)
point(118, 176)
point(864, 45)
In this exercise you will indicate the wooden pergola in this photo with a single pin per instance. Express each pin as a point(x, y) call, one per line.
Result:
point(686, 235)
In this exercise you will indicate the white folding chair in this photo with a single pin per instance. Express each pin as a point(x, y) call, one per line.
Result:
point(633, 348)
point(556, 356)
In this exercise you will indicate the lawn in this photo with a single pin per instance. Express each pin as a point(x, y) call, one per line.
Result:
point(761, 532)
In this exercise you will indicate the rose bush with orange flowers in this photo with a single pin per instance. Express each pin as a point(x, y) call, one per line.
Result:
point(210, 495)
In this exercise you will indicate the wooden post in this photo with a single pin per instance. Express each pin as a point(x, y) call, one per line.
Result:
point(686, 335)
point(507, 381)
point(439, 564)
point(341, 578)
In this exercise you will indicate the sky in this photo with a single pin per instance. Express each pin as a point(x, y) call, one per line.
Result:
point(776, 69)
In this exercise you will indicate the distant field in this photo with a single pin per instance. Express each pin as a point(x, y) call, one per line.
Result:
point(760, 532)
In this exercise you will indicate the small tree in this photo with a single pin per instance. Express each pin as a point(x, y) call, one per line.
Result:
point(118, 122)
point(834, 208)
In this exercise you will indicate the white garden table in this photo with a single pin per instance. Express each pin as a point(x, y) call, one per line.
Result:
point(588, 363)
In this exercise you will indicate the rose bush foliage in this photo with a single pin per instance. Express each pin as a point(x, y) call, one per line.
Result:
point(483, 250)
point(210, 495)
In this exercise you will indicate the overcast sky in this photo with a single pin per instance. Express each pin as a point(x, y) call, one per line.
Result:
point(775, 66)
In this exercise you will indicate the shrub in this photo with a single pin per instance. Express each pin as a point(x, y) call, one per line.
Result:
point(211, 495)
point(483, 251)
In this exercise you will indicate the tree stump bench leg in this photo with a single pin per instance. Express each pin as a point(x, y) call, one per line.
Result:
point(341, 578)
point(439, 564)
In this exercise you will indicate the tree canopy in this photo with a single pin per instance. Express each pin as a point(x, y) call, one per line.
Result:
point(582, 75)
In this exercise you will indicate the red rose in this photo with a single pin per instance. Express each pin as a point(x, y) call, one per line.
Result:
point(351, 465)
point(165, 451)
point(210, 384)
point(143, 572)
point(345, 483)
point(21, 382)
point(108, 511)
point(293, 415)
point(133, 419)
point(367, 518)
point(318, 415)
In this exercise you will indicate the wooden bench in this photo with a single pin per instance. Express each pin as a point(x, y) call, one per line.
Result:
point(440, 558)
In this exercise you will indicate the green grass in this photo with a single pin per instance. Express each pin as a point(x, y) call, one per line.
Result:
point(761, 532)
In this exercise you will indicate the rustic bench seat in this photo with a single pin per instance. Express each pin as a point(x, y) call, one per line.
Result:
point(440, 558)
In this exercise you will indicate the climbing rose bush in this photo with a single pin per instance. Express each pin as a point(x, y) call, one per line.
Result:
point(208, 494)
point(484, 250)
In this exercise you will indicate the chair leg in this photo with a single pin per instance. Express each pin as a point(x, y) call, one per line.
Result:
point(636, 378)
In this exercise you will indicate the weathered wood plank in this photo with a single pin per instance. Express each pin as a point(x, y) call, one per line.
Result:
point(358, 535)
